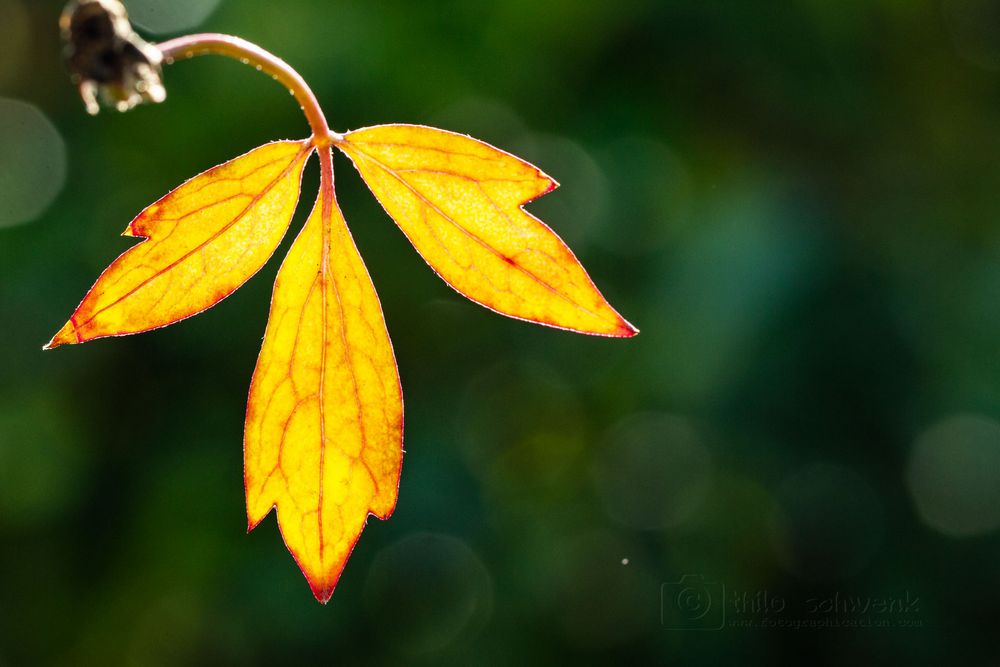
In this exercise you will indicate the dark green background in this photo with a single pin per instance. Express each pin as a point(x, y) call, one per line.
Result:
point(796, 202)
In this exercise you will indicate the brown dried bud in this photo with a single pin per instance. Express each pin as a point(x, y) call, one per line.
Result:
point(107, 57)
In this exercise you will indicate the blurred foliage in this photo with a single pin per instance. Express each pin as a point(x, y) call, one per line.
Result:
point(796, 203)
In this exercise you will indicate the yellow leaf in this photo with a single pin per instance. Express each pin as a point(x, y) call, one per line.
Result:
point(459, 201)
point(205, 239)
point(323, 438)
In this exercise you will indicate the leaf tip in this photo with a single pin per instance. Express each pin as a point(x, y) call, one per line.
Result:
point(626, 329)
point(321, 590)
point(68, 335)
point(254, 517)
point(552, 183)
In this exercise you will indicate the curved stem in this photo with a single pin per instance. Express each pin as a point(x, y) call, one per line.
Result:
point(251, 54)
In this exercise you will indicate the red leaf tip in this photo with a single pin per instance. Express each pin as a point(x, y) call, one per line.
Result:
point(626, 330)
point(65, 336)
point(321, 591)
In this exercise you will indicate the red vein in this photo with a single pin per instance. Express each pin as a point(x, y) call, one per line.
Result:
point(508, 261)
point(326, 196)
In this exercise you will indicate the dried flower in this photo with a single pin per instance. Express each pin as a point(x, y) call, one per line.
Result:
point(107, 58)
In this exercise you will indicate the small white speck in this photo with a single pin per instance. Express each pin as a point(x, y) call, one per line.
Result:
point(624, 561)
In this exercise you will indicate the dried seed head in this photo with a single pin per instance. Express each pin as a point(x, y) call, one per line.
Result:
point(107, 58)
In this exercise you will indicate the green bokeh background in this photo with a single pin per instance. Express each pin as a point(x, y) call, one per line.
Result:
point(797, 204)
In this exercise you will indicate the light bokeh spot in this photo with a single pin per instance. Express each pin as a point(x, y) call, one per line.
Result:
point(32, 162)
point(954, 476)
point(434, 589)
point(655, 472)
point(169, 16)
point(537, 448)
point(582, 198)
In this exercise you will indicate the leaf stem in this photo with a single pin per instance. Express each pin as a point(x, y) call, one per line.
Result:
point(249, 53)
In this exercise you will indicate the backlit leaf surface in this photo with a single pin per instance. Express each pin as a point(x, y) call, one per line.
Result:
point(459, 201)
point(204, 240)
point(323, 438)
